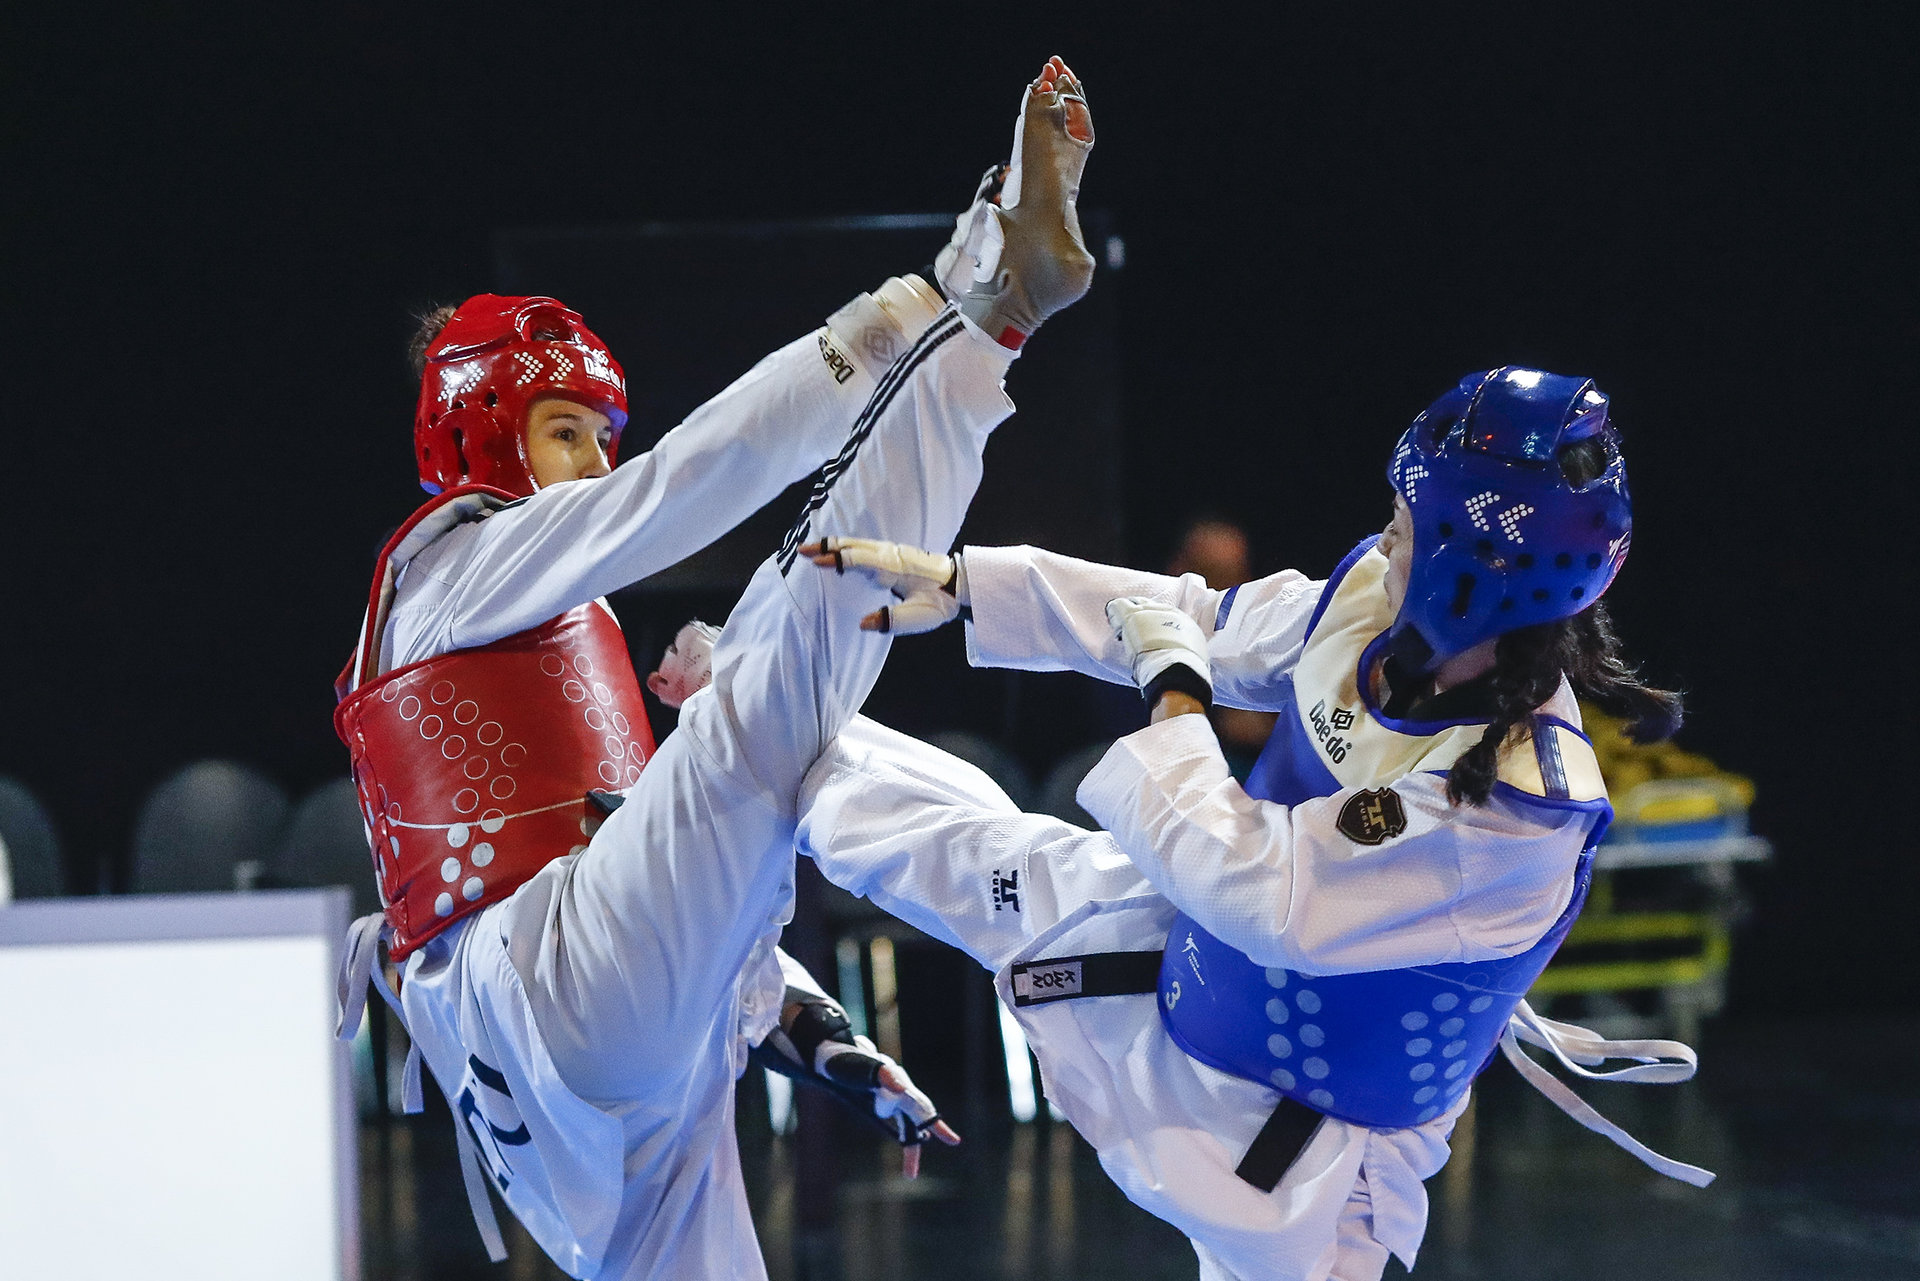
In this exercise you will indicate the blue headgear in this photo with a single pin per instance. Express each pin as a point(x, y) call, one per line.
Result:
point(1500, 539)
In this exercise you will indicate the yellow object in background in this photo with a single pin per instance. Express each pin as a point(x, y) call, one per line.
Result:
point(1656, 785)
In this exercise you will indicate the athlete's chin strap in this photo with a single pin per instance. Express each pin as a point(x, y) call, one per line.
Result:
point(359, 968)
point(820, 1048)
point(1578, 1049)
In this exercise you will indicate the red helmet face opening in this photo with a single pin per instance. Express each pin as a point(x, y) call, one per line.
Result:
point(496, 356)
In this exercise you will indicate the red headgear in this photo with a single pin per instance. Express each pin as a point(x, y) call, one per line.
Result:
point(494, 359)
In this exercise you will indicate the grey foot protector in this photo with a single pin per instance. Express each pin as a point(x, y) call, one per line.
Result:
point(1040, 264)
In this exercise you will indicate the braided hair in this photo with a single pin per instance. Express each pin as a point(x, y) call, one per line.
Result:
point(1529, 661)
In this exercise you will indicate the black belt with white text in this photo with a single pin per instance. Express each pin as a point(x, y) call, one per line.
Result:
point(1067, 978)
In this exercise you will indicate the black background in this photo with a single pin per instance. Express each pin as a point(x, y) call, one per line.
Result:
point(216, 223)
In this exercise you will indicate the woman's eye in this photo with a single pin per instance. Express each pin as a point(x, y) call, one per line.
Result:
point(564, 435)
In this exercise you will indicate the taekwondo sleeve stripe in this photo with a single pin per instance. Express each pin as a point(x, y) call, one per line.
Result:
point(1226, 607)
point(942, 331)
point(1553, 772)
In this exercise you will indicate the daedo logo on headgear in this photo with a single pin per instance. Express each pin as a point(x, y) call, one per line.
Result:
point(598, 366)
point(1324, 728)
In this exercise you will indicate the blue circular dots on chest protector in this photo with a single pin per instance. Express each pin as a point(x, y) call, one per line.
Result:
point(1320, 1099)
point(1480, 1005)
point(1307, 1002)
point(1283, 1078)
point(1421, 1071)
point(1279, 1046)
point(1413, 1022)
point(1315, 1068)
point(1453, 1049)
point(1276, 977)
point(1452, 1027)
point(1455, 1069)
point(1277, 1010)
point(1312, 1037)
point(1445, 1001)
point(1418, 1046)
point(1424, 1094)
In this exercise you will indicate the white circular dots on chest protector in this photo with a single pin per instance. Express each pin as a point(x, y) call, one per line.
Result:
point(457, 834)
point(609, 774)
point(441, 693)
point(1277, 1010)
point(1445, 1001)
point(1307, 1001)
point(1320, 1098)
point(1282, 1078)
point(1452, 1027)
point(1413, 1022)
point(1276, 977)
point(450, 870)
point(1480, 1005)
point(552, 664)
point(596, 719)
point(583, 664)
point(1279, 1046)
point(1315, 1068)
point(466, 713)
point(443, 906)
point(473, 889)
point(1312, 1036)
point(1419, 1046)
point(1421, 1071)
point(482, 854)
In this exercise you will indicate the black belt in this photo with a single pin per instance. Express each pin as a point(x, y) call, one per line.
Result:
point(1066, 978)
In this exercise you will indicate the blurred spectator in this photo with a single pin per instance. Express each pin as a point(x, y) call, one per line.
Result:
point(1218, 551)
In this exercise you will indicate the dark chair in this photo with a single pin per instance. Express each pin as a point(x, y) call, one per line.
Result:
point(1063, 780)
point(210, 827)
point(993, 760)
point(29, 847)
point(325, 843)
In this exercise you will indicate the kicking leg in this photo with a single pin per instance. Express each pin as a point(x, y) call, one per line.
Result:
point(646, 935)
point(935, 842)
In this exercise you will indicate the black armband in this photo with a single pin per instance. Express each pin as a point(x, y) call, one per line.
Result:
point(819, 1020)
point(1179, 679)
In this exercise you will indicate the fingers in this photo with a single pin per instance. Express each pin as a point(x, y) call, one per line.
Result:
point(946, 1134)
point(910, 1161)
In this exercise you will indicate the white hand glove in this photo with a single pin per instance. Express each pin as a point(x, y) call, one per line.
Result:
point(926, 582)
point(1158, 636)
point(896, 1099)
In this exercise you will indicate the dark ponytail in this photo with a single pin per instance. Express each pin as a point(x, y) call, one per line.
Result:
point(1527, 667)
point(1529, 662)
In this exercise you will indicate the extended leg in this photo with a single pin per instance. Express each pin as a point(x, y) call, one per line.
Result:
point(933, 841)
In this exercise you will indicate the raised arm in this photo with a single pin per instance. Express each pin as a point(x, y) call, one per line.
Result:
point(570, 543)
point(1039, 611)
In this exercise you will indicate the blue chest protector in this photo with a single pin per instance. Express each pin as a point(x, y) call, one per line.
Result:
point(1384, 1049)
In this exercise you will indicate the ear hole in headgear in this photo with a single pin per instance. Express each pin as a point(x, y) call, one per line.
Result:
point(546, 324)
point(1583, 460)
point(1462, 595)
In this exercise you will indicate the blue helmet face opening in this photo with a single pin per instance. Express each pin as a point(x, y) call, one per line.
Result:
point(1501, 538)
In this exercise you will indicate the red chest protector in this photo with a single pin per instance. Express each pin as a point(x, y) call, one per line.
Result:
point(473, 767)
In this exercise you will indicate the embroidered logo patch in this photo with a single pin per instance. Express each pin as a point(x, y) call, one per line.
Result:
point(1372, 816)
